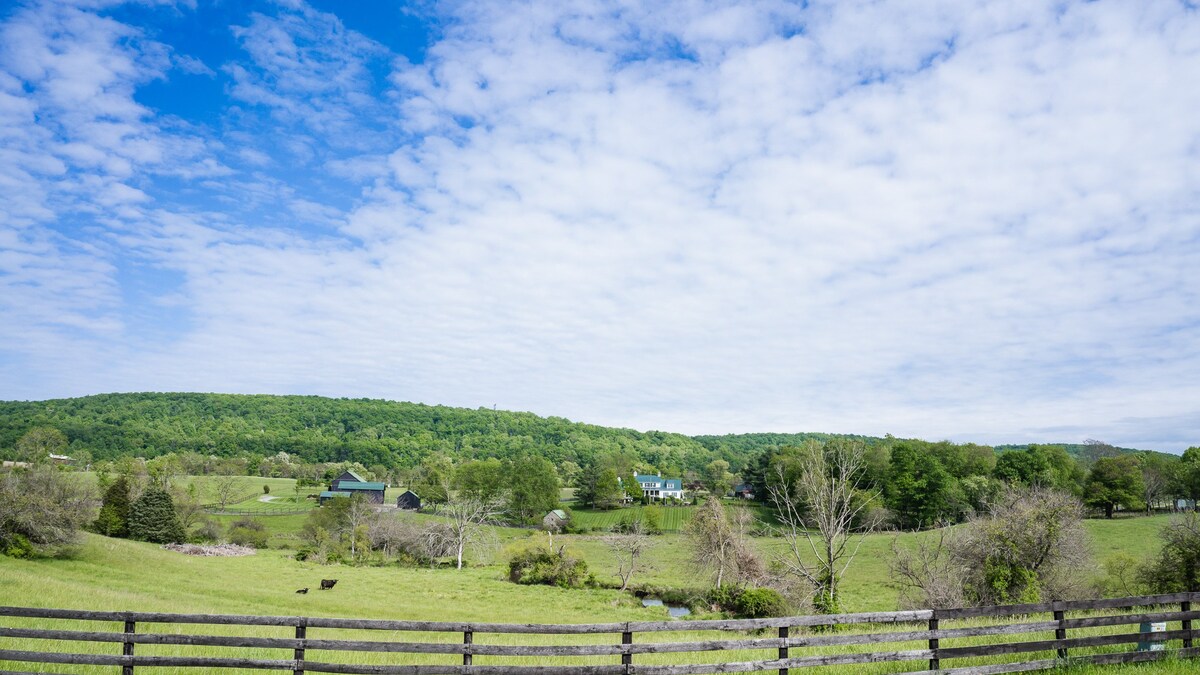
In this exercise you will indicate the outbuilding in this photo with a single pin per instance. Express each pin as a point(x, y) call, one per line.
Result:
point(556, 520)
point(409, 500)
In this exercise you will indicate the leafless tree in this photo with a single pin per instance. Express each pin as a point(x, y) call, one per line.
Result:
point(627, 549)
point(820, 510)
point(468, 519)
point(226, 489)
point(360, 512)
point(720, 544)
point(927, 575)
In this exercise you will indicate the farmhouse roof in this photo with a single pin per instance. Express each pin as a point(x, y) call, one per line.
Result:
point(667, 483)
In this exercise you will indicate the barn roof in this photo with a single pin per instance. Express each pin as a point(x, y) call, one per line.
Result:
point(354, 475)
point(327, 494)
point(361, 485)
point(562, 515)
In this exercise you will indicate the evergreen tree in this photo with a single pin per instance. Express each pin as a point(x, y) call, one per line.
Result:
point(152, 518)
point(113, 520)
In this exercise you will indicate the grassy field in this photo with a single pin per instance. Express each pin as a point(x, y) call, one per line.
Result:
point(116, 574)
point(672, 518)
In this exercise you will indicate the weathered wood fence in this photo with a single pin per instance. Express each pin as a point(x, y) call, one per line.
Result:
point(987, 640)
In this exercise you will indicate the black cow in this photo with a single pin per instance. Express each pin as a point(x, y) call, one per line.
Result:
point(327, 584)
point(302, 591)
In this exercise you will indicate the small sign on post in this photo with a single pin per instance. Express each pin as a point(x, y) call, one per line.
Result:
point(1148, 644)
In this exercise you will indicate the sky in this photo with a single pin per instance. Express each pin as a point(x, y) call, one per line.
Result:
point(975, 220)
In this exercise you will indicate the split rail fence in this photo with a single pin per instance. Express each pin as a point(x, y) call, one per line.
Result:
point(970, 640)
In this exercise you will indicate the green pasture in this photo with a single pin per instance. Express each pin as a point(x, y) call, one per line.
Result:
point(108, 574)
point(671, 518)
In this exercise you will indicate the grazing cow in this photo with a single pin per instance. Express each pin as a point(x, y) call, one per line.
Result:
point(302, 591)
point(327, 584)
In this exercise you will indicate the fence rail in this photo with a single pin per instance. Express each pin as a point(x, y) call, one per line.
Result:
point(996, 641)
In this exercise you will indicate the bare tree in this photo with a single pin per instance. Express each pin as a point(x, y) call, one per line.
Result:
point(713, 541)
point(468, 518)
point(720, 544)
point(226, 489)
point(359, 514)
point(928, 576)
point(820, 510)
point(627, 549)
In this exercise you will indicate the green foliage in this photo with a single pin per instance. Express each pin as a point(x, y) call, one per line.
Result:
point(37, 444)
point(41, 510)
point(484, 480)
point(152, 518)
point(312, 429)
point(113, 520)
point(248, 532)
point(1114, 481)
point(538, 565)
point(748, 603)
point(1177, 567)
point(533, 489)
point(918, 489)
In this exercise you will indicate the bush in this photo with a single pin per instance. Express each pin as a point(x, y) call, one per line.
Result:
point(748, 603)
point(208, 531)
point(543, 566)
point(266, 489)
point(41, 511)
point(248, 532)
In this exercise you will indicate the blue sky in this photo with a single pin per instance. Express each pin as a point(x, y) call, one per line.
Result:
point(965, 220)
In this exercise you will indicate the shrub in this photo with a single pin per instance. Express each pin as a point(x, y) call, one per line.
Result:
point(543, 566)
point(266, 489)
point(749, 603)
point(757, 603)
point(41, 511)
point(248, 532)
point(208, 531)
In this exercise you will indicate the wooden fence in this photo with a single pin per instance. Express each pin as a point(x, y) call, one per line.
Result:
point(985, 640)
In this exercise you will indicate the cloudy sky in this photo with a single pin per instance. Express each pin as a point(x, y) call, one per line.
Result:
point(974, 220)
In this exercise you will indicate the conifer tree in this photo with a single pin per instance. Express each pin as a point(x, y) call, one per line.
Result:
point(113, 520)
point(152, 518)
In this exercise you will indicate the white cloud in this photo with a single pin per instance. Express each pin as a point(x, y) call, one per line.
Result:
point(975, 220)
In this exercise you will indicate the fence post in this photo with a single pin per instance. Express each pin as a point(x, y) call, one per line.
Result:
point(934, 662)
point(1186, 606)
point(468, 640)
point(1060, 633)
point(783, 651)
point(127, 647)
point(626, 657)
point(298, 655)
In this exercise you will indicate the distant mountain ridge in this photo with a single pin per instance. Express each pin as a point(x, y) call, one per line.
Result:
point(369, 431)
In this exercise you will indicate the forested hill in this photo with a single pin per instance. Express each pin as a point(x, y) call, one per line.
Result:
point(371, 432)
point(316, 429)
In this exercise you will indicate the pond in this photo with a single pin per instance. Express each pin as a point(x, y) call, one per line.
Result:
point(675, 611)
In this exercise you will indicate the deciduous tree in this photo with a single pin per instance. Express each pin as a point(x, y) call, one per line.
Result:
point(818, 511)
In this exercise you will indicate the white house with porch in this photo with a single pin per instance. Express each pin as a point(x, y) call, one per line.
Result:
point(657, 487)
